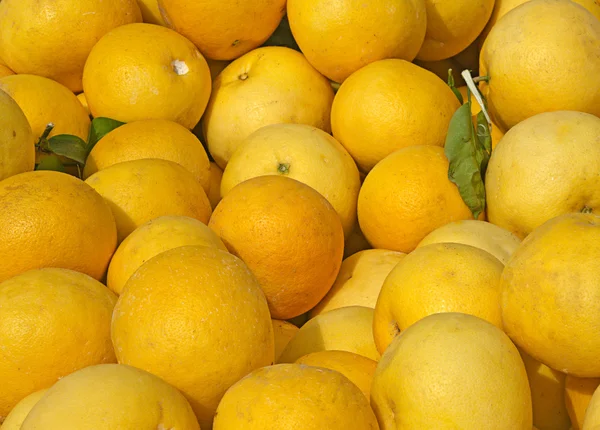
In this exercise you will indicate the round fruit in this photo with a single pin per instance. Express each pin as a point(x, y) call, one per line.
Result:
point(339, 37)
point(52, 219)
point(5, 71)
point(214, 192)
point(141, 190)
point(14, 420)
point(388, 105)
point(17, 150)
point(300, 152)
point(555, 35)
point(283, 332)
point(356, 242)
point(53, 38)
point(356, 368)
point(288, 234)
point(453, 26)
point(54, 321)
point(111, 396)
point(45, 101)
point(153, 138)
point(440, 371)
point(499, 242)
point(196, 293)
point(459, 278)
point(146, 71)
point(578, 393)
point(151, 12)
point(407, 196)
point(269, 85)
point(592, 414)
point(531, 176)
point(287, 396)
point(550, 293)
point(359, 280)
point(152, 238)
point(224, 31)
point(345, 329)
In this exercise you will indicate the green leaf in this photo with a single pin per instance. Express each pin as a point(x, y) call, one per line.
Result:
point(101, 127)
point(50, 162)
point(68, 146)
point(484, 134)
point(452, 86)
point(466, 156)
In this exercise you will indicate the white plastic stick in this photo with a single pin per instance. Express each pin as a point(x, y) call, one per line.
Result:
point(466, 74)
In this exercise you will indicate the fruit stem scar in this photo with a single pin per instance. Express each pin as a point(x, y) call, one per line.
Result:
point(236, 42)
point(180, 67)
point(243, 76)
point(283, 168)
point(586, 210)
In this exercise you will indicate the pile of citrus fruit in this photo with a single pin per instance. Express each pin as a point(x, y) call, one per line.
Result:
point(301, 214)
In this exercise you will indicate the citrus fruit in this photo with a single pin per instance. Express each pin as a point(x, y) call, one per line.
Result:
point(556, 35)
point(141, 190)
point(83, 100)
point(14, 420)
point(199, 293)
point(146, 71)
point(54, 321)
point(214, 191)
point(407, 196)
point(269, 85)
point(288, 234)
point(359, 280)
point(358, 369)
point(466, 59)
point(300, 152)
point(592, 414)
point(17, 148)
point(339, 37)
point(497, 241)
point(224, 31)
point(151, 12)
point(530, 177)
point(5, 71)
point(152, 238)
point(356, 242)
point(389, 105)
point(452, 370)
point(578, 393)
point(344, 329)
point(459, 278)
point(286, 396)
point(283, 332)
point(53, 38)
point(51, 219)
point(550, 294)
point(153, 138)
point(111, 396)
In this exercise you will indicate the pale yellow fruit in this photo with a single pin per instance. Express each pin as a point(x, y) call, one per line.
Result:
point(111, 396)
point(54, 321)
point(591, 420)
point(153, 138)
point(269, 85)
point(450, 371)
point(17, 150)
point(341, 36)
point(152, 238)
point(388, 105)
point(497, 241)
point(52, 38)
point(547, 395)
point(300, 152)
point(452, 26)
point(550, 293)
point(555, 35)
point(5, 71)
point(344, 329)
point(283, 331)
point(17, 415)
point(214, 192)
point(83, 100)
point(294, 396)
point(45, 101)
point(458, 278)
point(578, 393)
point(521, 198)
point(359, 280)
point(357, 368)
point(151, 12)
point(141, 190)
point(196, 317)
point(146, 71)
